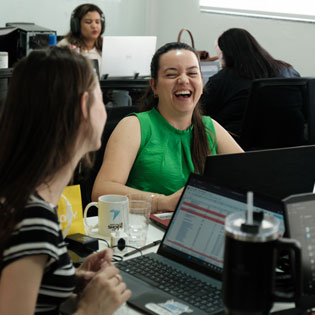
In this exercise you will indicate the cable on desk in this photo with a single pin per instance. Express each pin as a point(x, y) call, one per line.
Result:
point(117, 258)
point(103, 240)
point(121, 245)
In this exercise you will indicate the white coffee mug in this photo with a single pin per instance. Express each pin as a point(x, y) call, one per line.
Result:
point(112, 213)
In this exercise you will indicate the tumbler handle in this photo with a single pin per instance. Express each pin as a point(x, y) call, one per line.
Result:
point(294, 247)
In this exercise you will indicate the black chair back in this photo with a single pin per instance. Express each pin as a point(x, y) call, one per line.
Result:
point(279, 113)
point(86, 178)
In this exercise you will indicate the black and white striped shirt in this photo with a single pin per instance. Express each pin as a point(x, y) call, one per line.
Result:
point(39, 233)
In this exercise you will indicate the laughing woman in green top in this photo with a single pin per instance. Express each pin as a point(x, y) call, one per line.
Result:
point(154, 152)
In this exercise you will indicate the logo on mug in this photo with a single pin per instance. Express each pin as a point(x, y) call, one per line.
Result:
point(113, 226)
point(115, 212)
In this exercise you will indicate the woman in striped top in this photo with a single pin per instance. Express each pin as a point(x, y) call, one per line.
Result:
point(53, 115)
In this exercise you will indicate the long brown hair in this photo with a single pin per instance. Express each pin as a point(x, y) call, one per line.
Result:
point(200, 148)
point(39, 123)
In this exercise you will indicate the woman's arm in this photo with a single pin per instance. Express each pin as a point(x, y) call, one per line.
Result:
point(19, 285)
point(120, 153)
point(225, 142)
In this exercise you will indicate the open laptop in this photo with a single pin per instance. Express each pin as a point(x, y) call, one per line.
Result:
point(275, 172)
point(127, 56)
point(193, 245)
point(300, 225)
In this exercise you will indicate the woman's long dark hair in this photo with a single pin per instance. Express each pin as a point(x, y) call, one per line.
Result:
point(39, 123)
point(79, 13)
point(243, 53)
point(200, 148)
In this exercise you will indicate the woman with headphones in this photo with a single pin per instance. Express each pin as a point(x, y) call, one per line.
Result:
point(87, 24)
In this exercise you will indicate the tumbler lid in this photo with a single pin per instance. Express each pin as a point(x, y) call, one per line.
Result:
point(263, 229)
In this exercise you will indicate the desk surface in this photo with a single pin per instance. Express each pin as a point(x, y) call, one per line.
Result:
point(154, 234)
point(124, 83)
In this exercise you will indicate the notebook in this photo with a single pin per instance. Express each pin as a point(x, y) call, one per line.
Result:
point(300, 225)
point(193, 244)
point(127, 56)
point(162, 220)
point(276, 172)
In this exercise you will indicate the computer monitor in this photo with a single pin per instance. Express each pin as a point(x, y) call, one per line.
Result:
point(127, 56)
point(276, 172)
point(208, 69)
point(96, 68)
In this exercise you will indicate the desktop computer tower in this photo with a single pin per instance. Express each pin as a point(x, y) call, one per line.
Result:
point(19, 39)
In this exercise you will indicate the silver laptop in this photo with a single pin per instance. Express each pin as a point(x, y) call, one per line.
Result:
point(191, 252)
point(127, 56)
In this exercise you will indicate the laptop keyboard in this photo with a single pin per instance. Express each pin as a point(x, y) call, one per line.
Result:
point(194, 291)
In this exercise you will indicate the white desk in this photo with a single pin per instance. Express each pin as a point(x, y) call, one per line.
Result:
point(154, 234)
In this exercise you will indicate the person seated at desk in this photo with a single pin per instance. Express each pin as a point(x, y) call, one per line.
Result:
point(242, 59)
point(155, 151)
point(87, 24)
point(53, 115)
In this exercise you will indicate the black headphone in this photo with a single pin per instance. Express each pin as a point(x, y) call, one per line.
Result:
point(75, 21)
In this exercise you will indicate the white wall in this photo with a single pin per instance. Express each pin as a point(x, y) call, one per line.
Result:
point(292, 42)
point(123, 17)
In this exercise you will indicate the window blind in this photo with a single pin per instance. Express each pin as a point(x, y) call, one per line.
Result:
point(301, 10)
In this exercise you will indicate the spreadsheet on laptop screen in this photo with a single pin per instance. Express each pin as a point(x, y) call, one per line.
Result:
point(198, 227)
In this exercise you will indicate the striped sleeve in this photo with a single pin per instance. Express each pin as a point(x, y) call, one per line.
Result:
point(37, 233)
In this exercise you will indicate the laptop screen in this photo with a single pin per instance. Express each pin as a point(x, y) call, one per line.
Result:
point(127, 56)
point(278, 172)
point(300, 224)
point(196, 232)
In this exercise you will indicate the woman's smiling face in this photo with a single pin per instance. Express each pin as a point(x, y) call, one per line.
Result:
point(179, 83)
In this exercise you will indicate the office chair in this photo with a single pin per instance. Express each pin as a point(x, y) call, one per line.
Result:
point(86, 178)
point(280, 113)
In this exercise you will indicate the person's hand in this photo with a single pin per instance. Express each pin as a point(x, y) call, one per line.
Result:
point(91, 265)
point(104, 294)
point(168, 203)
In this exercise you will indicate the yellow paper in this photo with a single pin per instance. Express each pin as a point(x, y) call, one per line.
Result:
point(73, 195)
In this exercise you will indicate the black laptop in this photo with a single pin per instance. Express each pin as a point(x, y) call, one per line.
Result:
point(299, 214)
point(191, 252)
point(276, 172)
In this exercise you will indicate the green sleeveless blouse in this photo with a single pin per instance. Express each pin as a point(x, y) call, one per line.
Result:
point(164, 162)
